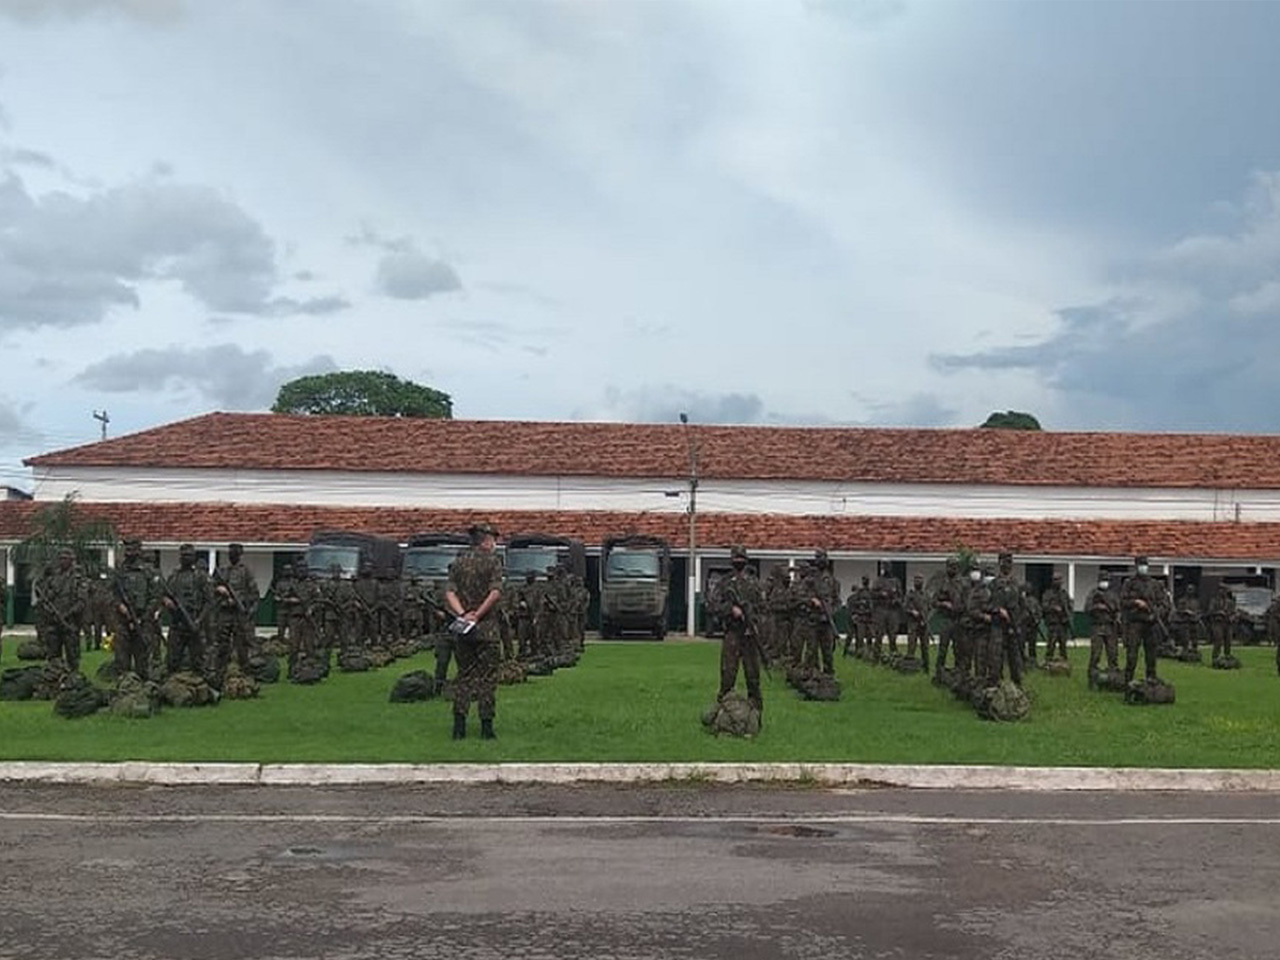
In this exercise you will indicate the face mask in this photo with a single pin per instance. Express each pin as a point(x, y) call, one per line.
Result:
point(739, 564)
point(1103, 585)
point(975, 575)
point(1143, 568)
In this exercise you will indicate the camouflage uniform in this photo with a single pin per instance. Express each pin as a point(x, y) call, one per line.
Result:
point(1006, 602)
point(776, 618)
point(1222, 615)
point(413, 613)
point(1029, 624)
point(235, 605)
point(859, 607)
point(62, 598)
point(976, 628)
point(528, 599)
point(364, 608)
point(1186, 621)
point(136, 591)
point(387, 608)
point(1104, 615)
point(948, 603)
point(915, 605)
point(886, 610)
point(283, 587)
point(819, 594)
point(1055, 603)
point(475, 578)
point(1139, 601)
point(741, 644)
point(190, 587)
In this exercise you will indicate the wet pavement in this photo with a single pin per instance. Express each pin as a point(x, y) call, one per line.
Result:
point(676, 870)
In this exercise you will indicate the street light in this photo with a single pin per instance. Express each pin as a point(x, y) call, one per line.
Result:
point(691, 620)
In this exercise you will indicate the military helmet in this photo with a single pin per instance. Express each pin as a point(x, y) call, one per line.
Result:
point(737, 552)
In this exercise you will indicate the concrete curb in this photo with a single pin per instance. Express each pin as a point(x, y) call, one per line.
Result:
point(848, 775)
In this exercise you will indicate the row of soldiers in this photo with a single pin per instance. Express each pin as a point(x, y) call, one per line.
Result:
point(211, 616)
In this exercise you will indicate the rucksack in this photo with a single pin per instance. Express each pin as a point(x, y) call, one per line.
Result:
point(1007, 702)
point(1145, 692)
point(187, 689)
point(134, 697)
point(732, 715)
point(19, 683)
point(77, 697)
point(413, 687)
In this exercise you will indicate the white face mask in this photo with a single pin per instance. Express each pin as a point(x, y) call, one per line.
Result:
point(1143, 568)
point(1103, 585)
point(975, 575)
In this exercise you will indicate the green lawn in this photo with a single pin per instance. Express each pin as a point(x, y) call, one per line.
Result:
point(642, 702)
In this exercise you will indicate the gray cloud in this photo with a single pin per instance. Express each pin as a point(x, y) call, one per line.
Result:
point(1191, 344)
point(65, 260)
point(225, 374)
point(664, 404)
point(39, 11)
point(414, 276)
point(917, 410)
point(21, 156)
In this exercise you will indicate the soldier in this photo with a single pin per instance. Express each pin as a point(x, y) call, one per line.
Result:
point(1139, 603)
point(1006, 604)
point(528, 599)
point(736, 600)
point(389, 600)
point(1029, 624)
point(135, 587)
point(819, 594)
point(364, 605)
point(886, 610)
point(1272, 620)
point(861, 617)
point(62, 597)
point(1056, 605)
point(976, 626)
point(283, 586)
point(305, 610)
point(916, 607)
point(1186, 621)
point(232, 614)
point(473, 591)
point(438, 618)
point(1222, 615)
point(187, 594)
point(413, 609)
point(949, 604)
point(580, 601)
point(781, 614)
point(1103, 607)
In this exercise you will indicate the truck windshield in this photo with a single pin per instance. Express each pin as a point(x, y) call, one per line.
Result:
point(430, 562)
point(520, 560)
point(624, 564)
point(321, 559)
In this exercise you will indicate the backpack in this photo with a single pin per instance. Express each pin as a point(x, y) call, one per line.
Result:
point(77, 697)
point(1058, 667)
point(187, 689)
point(264, 668)
point(413, 687)
point(1145, 692)
point(19, 683)
point(134, 697)
point(239, 686)
point(1007, 702)
point(732, 715)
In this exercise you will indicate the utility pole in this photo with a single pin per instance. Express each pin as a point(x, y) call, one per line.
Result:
point(101, 415)
point(691, 621)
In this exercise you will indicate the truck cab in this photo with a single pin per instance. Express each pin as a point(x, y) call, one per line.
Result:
point(635, 584)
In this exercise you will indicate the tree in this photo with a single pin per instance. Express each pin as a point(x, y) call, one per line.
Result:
point(362, 393)
point(1012, 420)
point(63, 524)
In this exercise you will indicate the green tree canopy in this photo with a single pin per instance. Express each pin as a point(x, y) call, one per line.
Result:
point(63, 524)
point(362, 393)
point(1012, 420)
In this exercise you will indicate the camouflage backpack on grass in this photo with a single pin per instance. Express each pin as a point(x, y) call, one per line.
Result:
point(32, 649)
point(264, 668)
point(77, 697)
point(134, 697)
point(1227, 662)
point(511, 672)
point(19, 683)
point(187, 689)
point(413, 687)
point(541, 667)
point(404, 648)
point(907, 664)
point(49, 682)
point(1109, 680)
point(1057, 667)
point(1189, 656)
point(238, 685)
point(1144, 692)
point(307, 670)
point(732, 715)
point(379, 656)
point(1007, 703)
point(815, 685)
point(353, 661)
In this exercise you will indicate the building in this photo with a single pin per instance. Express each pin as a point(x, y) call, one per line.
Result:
point(1071, 503)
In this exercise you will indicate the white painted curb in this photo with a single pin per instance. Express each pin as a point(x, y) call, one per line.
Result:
point(849, 775)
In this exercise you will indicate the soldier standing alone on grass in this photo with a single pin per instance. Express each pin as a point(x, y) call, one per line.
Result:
point(472, 595)
point(916, 607)
point(736, 600)
point(1104, 615)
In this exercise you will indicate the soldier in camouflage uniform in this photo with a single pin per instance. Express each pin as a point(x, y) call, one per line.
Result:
point(283, 586)
point(1029, 624)
point(387, 610)
point(1186, 621)
point(413, 614)
point(472, 594)
point(580, 601)
point(1103, 606)
point(364, 606)
point(528, 600)
point(1056, 606)
point(1006, 605)
point(860, 606)
point(775, 619)
point(886, 609)
point(135, 587)
point(306, 609)
point(736, 600)
point(1221, 617)
point(976, 625)
point(915, 606)
point(948, 603)
point(1139, 603)
point(819, 594)
point(62, 595)
point(232, 615)
point(187, 595)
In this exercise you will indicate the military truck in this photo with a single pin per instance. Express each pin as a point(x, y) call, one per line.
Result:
point(635, 586)
point(428, 555)
point(538, 551)
point(347, 549)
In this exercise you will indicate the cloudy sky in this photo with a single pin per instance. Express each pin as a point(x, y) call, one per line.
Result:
point(882, 212)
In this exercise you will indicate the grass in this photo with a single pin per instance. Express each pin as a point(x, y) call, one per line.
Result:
point(642, 702)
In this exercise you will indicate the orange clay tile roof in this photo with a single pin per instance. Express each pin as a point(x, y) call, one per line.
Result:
point(293, 524)
point(255, 441)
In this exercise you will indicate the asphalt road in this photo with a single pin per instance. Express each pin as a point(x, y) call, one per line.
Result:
point(683, 870)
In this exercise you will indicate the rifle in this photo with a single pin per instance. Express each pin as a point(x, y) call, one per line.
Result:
point(749, 631)
point(220, 580)
point(187, 621)
point(117, 587)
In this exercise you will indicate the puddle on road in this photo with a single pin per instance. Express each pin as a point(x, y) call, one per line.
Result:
point(801, 830)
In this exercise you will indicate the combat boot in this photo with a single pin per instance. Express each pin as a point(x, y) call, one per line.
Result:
point(486, 730)
point(459, 726)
